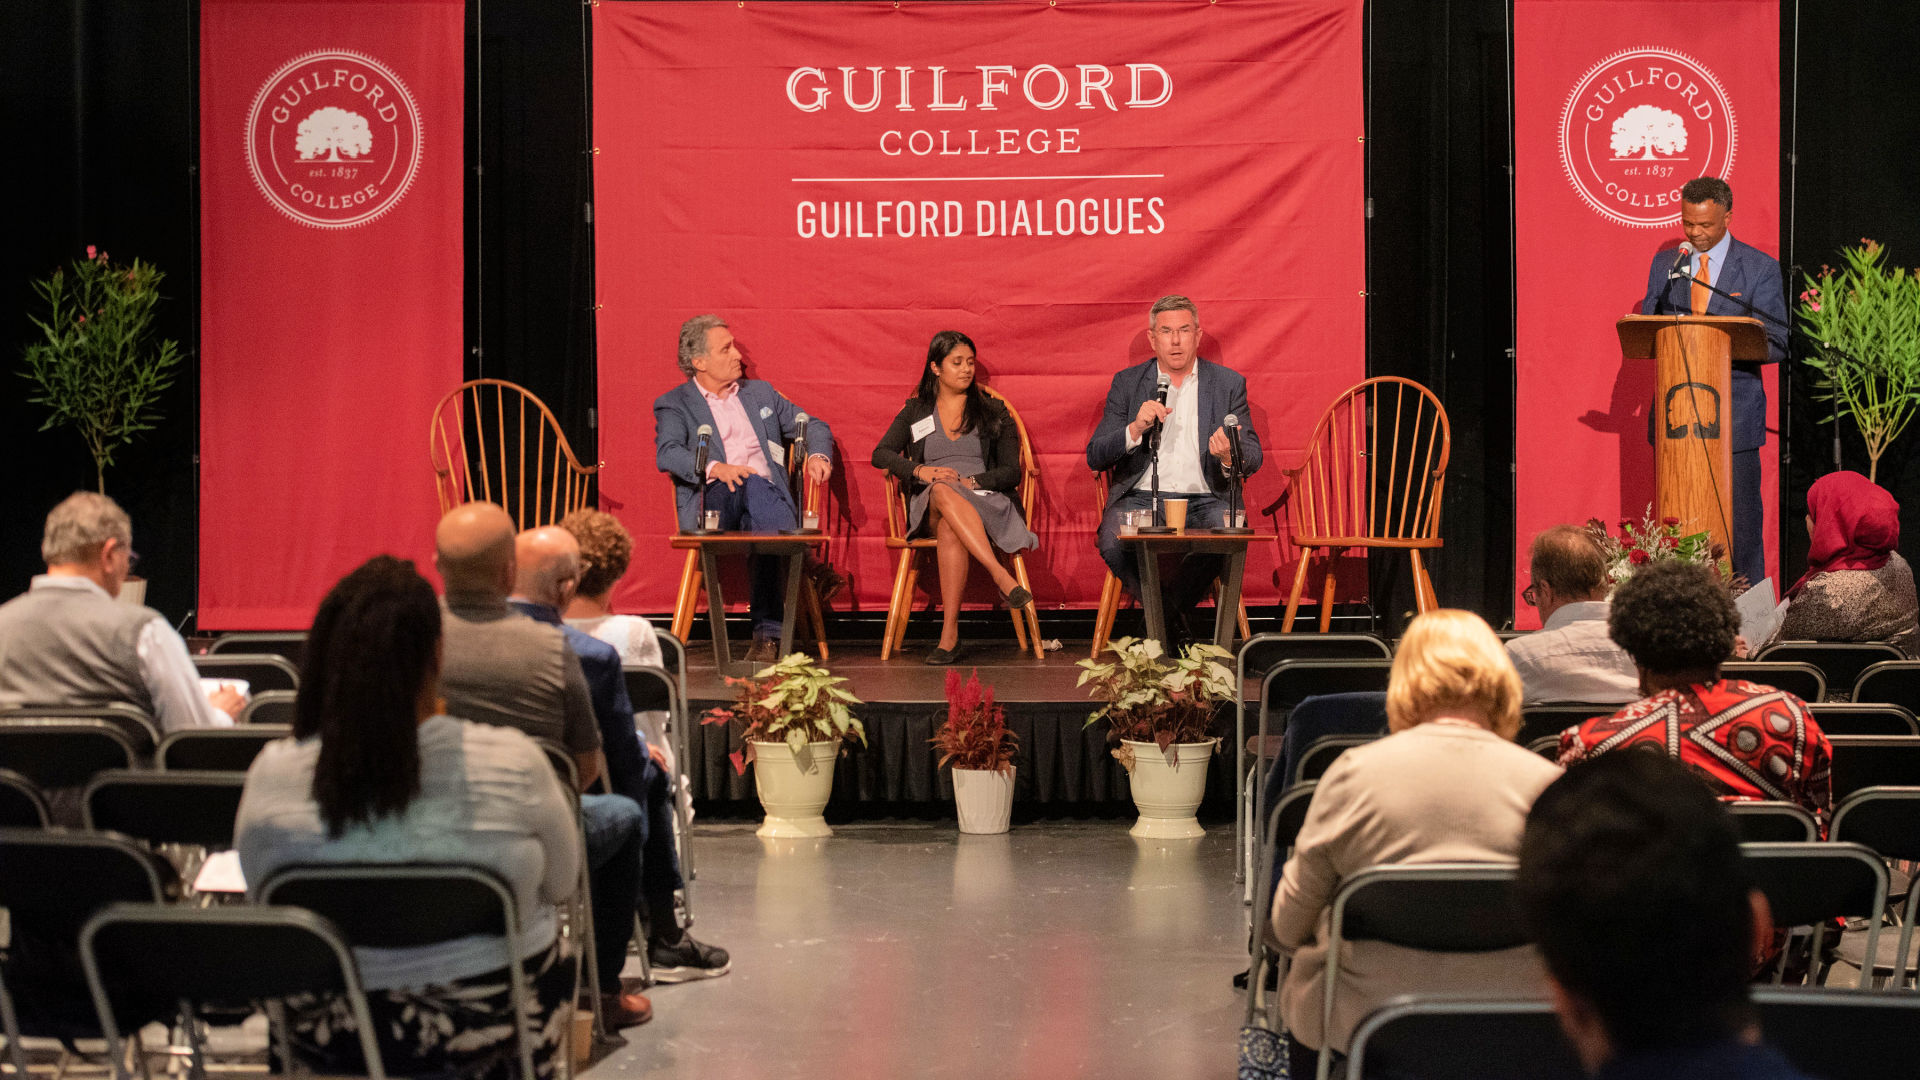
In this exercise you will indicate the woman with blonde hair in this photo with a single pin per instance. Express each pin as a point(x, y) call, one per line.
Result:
point(1447, 785)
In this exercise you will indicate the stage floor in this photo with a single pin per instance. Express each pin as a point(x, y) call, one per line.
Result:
point(905, 677)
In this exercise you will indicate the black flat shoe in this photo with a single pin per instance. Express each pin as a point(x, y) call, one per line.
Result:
point(1018, 598)
point(940, 656)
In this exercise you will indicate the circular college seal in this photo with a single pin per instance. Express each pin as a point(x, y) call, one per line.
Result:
point(1639, 124)
point(333, 139)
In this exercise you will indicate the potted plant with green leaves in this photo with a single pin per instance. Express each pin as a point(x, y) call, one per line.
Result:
point(1863, 319)
point(789, 720)
point(1162, 713)
point(975, 740)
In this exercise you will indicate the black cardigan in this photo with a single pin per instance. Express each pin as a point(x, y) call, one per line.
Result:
point(899, 453)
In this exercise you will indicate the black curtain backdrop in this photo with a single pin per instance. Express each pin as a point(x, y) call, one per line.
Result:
point(98, 109)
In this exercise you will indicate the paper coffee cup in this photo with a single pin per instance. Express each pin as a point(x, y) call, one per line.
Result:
point(1176, 514)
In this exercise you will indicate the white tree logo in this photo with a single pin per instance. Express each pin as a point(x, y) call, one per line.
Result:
point(334, 131)
point(1645, 129)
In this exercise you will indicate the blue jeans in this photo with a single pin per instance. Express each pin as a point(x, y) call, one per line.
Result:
point(615, 830)
point(659, 866)
point(757, 506)
point(1196, 573)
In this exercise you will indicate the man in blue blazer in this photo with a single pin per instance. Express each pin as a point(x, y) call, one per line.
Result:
point(746, 477)
point(1195, 455)
point(1745, 272)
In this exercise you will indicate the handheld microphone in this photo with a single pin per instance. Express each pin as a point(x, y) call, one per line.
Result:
point(702, 451)
point(1160, 394)
point(1232, 426)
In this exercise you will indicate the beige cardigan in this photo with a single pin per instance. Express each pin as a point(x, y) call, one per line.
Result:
point(1439, 792)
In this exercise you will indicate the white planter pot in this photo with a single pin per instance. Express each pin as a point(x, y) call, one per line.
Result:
point(794, 787)
point(984, 799)
point(1165, 793)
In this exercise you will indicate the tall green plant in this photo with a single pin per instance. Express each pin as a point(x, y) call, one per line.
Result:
point(1864, 321)
point(98, 367)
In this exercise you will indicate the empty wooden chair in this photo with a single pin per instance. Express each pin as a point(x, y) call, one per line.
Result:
point(493, 441)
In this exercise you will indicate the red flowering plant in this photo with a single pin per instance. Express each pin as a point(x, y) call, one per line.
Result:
point(975, 735)
point(794, 701)
point(1654, 539)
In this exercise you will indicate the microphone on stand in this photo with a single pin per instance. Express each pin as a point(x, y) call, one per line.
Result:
point(799, 481)
point(1235, 499)
point(702, 451)
point(1682, 257)
point(1153, 446)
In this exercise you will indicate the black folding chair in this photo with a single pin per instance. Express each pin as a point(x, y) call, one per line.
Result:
point(1547, 746)
point(219, 955)
point(655, 689)
point(1896, 682)
point(1286, 684)
point(1282, 828)
point(218, 749)
point(66, 753)
point(1541, 721)
point(397, 906)
point(270, 707)
point(1773, 822)
point(1320, 755)
point(195, 808)
point(1841, 1034)
point(51, 883)
point(1840, 662)
point(1886, 819)
point(1863, 718)
point(1257, 656)
point(22, 806)
point(1462, 1039)
point(262, 671)
point(1432, 907)
point(1864, 761)
point(1802, 680)
point(1809, 885)
point(289, 644)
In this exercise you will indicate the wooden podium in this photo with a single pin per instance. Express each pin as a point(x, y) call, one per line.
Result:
point(1693, 410)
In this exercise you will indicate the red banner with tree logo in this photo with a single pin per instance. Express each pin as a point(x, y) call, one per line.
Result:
point(1617, 103)
point(840, 181)
point(330, 143)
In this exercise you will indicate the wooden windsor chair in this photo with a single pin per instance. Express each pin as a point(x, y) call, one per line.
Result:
point(1372, 476)
point(495, 441)
point(1026, 620)
point(1112, 593)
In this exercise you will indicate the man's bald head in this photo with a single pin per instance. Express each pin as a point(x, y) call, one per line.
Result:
point(473, 549)
point(547, 565)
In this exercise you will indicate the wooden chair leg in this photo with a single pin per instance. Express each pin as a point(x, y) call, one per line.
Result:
point(1246, 628)
point(1109, 607)
point(896, 611)
point(906, 601)
point(1423, 595)
point(1026, 621)
point(684, 604)
point(1293, 597)
point(1326, 596)
point(816, 619)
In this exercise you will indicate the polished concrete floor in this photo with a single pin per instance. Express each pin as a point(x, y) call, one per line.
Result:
point(908, 950)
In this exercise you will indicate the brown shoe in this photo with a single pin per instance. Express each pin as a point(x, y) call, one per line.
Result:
point(765, 650)
point(624, 1010)
point(827, 582)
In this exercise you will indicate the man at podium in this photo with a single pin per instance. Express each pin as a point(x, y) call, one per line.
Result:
point(1748, 284)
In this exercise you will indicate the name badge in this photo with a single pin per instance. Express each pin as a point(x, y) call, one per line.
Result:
point(777, 453)
point(923, 429)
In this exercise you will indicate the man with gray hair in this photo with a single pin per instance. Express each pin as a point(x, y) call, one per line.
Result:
point(1194, 450)
point(748, 425)
point(67, 641)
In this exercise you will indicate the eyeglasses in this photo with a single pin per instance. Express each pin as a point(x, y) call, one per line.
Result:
point(1531, 594)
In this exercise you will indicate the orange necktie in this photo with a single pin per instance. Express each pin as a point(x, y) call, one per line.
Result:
point(1700, 295)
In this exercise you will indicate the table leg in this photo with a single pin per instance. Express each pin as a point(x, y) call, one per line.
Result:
point(717, 612)
point(1226, 616)
point(795, 564)
point(1150, 603)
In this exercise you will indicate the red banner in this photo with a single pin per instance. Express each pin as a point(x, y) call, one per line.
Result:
point(1591, 210)
point(330, 144)
point(840, 181)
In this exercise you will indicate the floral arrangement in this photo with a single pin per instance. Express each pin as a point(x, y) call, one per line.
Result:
point(96, 365)
point(975, 735)
point(793, 701)
point(1654, 540)
point(1150, 699)
point(1864, 322)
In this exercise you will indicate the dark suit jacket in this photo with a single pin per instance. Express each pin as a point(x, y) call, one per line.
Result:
point(1222, 391)
point(678, 414)
point(900, 453)
point(626, 750)
point(1754, 276)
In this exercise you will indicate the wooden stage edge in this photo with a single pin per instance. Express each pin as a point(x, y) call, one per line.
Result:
point(1015, 675)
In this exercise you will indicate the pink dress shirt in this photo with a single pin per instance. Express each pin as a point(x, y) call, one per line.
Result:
point(736, 432)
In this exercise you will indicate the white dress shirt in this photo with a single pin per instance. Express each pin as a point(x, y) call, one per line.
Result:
point(178, 700)
point(1573, 659)
point(1179, 444)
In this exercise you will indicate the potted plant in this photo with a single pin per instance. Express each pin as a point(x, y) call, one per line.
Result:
point(1162, 713)
point(1864, 322)
point(791, 718)
point(976, 741)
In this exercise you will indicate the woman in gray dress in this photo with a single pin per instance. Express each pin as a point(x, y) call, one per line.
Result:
point(959, 451)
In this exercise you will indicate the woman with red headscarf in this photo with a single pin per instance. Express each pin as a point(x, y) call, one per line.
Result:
point(1857, 587)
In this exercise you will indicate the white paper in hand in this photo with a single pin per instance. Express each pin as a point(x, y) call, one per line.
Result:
point(1760, 615)
point(220, 874)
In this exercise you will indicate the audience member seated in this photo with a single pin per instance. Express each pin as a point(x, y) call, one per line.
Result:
point(1447, 785)
point(68, 641)
point(1857, 587)
point(503, 668)
point(1632, 884)
point(375, 773)
point(547, 564)
point(1745, 740)
point(1571, 658)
